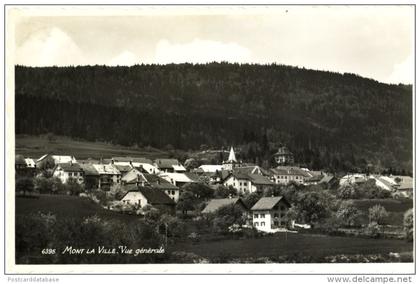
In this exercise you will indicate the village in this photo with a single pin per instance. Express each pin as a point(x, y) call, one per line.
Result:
point(133, 185)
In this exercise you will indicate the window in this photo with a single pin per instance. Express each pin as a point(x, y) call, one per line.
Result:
point(262, 215)
point(281, 215)
point(262, 223)
point(255, 215)
point(282, 208)
point(276, 223)
point(256, 224)
point(276, 207)
point(276, 215)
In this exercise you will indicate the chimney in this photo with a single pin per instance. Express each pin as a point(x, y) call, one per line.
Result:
point(131, 163)
point(112, 161)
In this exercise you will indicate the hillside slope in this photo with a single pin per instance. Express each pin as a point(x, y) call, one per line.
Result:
point(331, 120)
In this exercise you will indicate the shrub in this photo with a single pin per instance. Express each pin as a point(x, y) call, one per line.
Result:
point(408, 225)
point(348, 215)
point(373, 230)
point(194, 237)
point(24, 184)
point(175, 228)
point(378, 215)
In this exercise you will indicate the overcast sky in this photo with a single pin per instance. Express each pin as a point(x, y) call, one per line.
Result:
point(372, 41)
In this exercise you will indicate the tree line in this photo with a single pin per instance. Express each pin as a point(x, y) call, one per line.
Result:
point(329, 120)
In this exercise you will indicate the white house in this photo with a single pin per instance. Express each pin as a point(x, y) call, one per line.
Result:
point(284, 175)
point(353, 178)
point(142, 196)
point(69, 170)
point(269, 213)
point(247, 183)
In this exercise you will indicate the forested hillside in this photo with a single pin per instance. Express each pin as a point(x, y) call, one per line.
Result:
point(328, 120)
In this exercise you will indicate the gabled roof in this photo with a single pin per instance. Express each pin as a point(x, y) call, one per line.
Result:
point(283, 170)
point(123, 168)
point(153, 196)
point(216, 204)
point(405, 183)
point(158, 182)
point(260, 180)
point(89, 170)
point(166, 163)
point(254, 178)
point(106, 169)
point(177, 177)
point(327, 179)
point(132, 159)
point(30, 163)
point(192, 176)
point(267, 203)
point(133, 176)
point(69, 167)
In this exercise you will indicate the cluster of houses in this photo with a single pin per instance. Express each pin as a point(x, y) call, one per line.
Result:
point(158, 182)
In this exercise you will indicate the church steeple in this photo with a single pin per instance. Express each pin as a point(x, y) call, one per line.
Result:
point(232, 157)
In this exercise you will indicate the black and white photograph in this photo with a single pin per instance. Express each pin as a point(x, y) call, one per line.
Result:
point(196, 135)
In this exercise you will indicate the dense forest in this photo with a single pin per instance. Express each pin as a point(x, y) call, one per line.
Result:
point(328, 120)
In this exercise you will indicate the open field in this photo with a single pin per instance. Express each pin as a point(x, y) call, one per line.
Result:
point(315, 246)
point(307, 245)
point(36, 146)
point(64, 206)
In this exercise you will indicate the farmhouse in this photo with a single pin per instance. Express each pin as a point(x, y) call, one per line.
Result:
point(247, 183)
point(159, 183)
point(134, 175)
point(142, 196)
point(66, 171)
point(91, 176)
point(169, 166)
point(284, 175)
point(216, 204)
point(269, 213)
point(404, 186)
point(108, 175)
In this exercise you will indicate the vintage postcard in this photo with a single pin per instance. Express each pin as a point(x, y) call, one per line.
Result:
point(209, 139)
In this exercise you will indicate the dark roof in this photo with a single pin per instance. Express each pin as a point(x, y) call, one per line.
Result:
point(192, 176)
point(216, 204)
point(267, 203)
point(141, 169)
point(327, 178)
point(166, 163)
point(158, 182)
point(70, 167)
point(89, 170)
point(259, 179)
point(153, 196)
point(132, 159)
